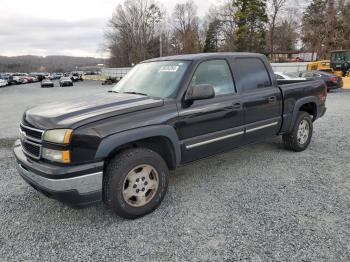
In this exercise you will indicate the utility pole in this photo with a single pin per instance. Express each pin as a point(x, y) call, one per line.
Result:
point(160, 45)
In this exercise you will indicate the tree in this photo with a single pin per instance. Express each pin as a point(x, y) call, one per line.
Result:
point(313, 29)
point(275, 6)
point(345, 30)
point(251, 20)
point(185, 38)
point(325, 26)
point(285, 36)
point(225, 31)
point(133, 35)
point(212, 35)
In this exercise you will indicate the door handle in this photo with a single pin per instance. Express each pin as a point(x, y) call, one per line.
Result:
point(237, 106)
point(272, 99)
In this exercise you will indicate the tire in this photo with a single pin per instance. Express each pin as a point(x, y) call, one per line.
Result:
point(299, 143)
point(120, 180)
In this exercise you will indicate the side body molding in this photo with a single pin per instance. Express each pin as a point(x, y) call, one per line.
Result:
point(112, 142)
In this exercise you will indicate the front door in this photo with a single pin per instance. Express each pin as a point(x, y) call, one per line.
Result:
point(214, 125)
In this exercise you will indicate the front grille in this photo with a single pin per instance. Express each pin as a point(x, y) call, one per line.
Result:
point(31, 149)
point(32, 133)
point(31, 139)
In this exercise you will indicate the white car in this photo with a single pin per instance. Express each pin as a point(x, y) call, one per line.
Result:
point(3, 83)
point(288, 76)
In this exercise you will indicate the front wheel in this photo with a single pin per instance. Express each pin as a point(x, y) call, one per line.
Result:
point(300, 137)
point(135, 182)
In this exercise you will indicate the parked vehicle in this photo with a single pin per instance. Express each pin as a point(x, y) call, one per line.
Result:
point(119, 146)
point(110, 81)
point(66, 81)
point(75, 77)
point(31, 79)
point(3, 82)
point(39, 76)
point(55, 76)
point(340, 62)
point(332, 81)
point(47, 83)
point(288, 76)
point(322, 65)
point(13, 80)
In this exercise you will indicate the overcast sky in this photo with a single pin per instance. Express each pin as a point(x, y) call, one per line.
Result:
point(64, 27)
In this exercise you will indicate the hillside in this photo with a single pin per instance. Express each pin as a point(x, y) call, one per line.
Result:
point(46, 64)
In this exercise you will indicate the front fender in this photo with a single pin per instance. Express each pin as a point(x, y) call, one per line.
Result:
point(110, 143)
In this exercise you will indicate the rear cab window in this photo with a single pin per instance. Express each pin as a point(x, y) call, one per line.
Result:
point(252, 73)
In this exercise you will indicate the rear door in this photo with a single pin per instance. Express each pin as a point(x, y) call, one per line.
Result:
point(261, 98)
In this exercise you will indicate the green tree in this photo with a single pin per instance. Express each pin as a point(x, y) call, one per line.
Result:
point(212, 35)
point(251, 20)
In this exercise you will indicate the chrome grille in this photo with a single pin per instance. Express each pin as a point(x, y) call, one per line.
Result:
point(32, 133)
point(31, 139)
point(31, 149)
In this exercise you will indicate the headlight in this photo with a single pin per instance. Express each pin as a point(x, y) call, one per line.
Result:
point(56, 155)
point(59, 136)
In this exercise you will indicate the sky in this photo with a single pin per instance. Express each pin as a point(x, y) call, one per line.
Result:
point(64, 27)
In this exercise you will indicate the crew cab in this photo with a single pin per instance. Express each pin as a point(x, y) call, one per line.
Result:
point(119, 146)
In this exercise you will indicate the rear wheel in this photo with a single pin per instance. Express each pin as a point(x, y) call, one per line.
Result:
point(135, 182)
point(300, 137)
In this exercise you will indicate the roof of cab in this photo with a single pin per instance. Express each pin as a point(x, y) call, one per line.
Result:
point(202, 56)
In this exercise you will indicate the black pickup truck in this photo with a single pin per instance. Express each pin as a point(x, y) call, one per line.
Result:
point(119, 146)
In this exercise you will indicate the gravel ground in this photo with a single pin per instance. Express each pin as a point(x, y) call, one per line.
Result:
point(258, 203)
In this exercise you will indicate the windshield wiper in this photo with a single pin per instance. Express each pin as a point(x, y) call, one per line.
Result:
point(135, 93)
point(112, 91)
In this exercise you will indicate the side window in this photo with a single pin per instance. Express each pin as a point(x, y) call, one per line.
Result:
point(252, 73)
point(216, 73)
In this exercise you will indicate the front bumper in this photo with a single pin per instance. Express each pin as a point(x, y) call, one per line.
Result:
point(77, 186)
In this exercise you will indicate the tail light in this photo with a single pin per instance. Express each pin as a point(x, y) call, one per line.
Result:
point(334, 80)
point(323, 96)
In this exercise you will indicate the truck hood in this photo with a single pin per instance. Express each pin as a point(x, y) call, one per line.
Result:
point(80, 111)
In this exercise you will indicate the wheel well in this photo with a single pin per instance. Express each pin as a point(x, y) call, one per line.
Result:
point(159, 144)
point(310, 108)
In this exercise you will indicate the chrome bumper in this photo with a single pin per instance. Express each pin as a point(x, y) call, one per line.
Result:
point(82, 184)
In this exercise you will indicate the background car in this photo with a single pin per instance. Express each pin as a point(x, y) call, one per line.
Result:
point(47, 83)
point(3, 82)
point(288, 76)
point(55, 76)
point(76, 77)
point(66, 81)
point(332, 81)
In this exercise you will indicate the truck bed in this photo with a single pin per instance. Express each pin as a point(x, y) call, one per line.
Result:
point(296, 91)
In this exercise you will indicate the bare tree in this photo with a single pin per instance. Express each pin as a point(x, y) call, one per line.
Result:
point(226, 36)
point(133, 35)
point(186, 37)
point(274, 8)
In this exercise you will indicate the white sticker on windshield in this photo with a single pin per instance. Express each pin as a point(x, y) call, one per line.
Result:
point(168, 68)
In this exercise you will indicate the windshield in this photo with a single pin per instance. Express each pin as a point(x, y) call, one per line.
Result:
point(339, 57)
point(156, 79)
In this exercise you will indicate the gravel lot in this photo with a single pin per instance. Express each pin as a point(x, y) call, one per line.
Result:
point(258, 203)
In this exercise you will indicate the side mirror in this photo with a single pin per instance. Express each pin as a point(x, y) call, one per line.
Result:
point(200, 92)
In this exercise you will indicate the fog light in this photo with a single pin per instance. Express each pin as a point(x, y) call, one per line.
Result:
point(56, 155)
